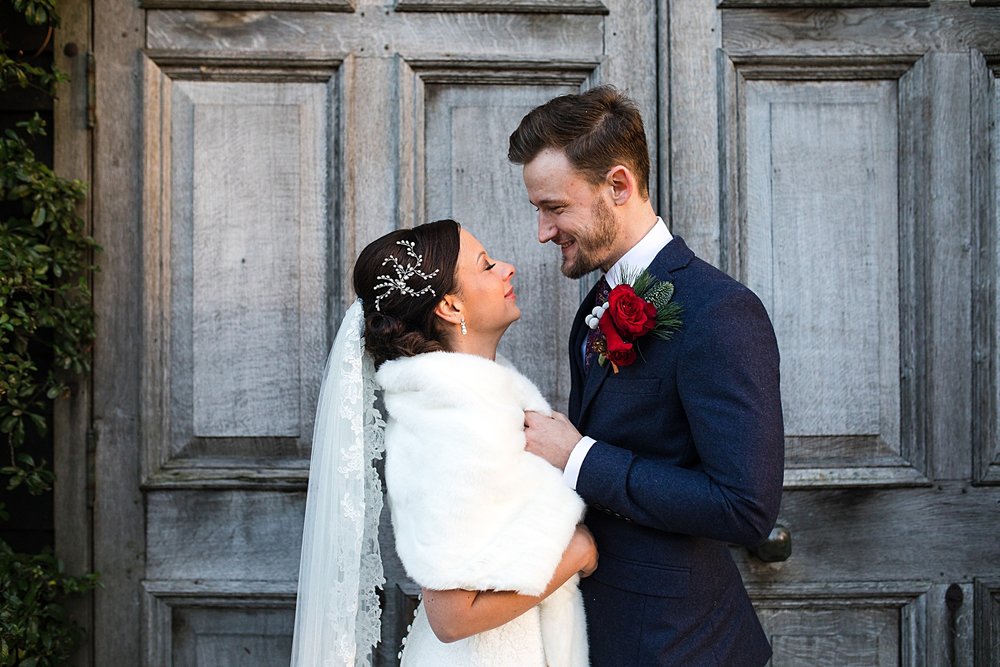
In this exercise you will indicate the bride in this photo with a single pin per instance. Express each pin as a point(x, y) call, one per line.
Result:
point(488, 531)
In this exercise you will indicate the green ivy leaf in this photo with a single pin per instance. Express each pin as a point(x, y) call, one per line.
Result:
point(46, 329)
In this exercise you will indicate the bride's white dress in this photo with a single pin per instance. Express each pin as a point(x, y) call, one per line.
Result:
point(510, 644)
point(471, 509)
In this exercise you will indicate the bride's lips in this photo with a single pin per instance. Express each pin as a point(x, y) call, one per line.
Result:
point(510, 294)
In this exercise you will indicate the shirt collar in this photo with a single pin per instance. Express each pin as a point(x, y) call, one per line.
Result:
point(642, 253)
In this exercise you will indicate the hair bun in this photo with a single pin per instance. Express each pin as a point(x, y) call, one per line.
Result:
point(405, 323)
point(389, 338)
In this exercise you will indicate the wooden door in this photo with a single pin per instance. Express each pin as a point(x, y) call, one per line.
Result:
point(843, 162)
point(245, 152)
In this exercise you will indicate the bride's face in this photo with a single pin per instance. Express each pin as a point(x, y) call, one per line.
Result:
point(485, 287)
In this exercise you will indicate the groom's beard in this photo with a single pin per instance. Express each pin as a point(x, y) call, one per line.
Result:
point(593, 248)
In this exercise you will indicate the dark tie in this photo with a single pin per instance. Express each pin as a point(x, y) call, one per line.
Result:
point(600, 298)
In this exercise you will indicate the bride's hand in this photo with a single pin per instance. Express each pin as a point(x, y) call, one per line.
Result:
point(585, 548)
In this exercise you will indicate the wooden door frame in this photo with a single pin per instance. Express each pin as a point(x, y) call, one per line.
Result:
point(686, 127)
point(72, 461)
point(107, 420)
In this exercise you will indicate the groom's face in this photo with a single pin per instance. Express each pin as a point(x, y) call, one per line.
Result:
point(572, 213)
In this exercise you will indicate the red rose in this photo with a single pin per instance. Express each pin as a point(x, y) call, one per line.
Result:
point(618, 351)
point(632, 315)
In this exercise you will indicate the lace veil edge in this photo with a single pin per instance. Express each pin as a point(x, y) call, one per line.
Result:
point(337, 614)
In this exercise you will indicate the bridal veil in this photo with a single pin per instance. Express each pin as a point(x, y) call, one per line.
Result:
point(337, 609)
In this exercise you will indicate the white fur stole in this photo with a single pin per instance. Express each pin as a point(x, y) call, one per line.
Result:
point(470, 507)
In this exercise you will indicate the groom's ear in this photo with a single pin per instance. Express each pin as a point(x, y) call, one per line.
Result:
point(449, 309)
point(622, 184)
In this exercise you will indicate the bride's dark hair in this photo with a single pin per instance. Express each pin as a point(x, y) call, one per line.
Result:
point(404, 324)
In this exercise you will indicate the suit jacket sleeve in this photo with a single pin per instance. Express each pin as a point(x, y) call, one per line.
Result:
point(728, 386)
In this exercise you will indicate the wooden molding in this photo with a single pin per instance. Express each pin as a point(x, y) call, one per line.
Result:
point(504, 6)
point(266, 5)
point(984, 164)
point(986, 623)
point(819, 4)
point(520, 72)
point(171, 458)
point(163, 599)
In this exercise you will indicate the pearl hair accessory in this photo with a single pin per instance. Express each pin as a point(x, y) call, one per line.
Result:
point(403, 274)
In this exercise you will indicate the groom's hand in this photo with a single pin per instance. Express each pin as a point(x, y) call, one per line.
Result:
point(553, 438)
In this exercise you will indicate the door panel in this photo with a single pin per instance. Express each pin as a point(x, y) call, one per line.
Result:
point(238, 246)
point(821, 246)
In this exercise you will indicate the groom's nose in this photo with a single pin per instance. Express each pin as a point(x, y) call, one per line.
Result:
point(546, 230)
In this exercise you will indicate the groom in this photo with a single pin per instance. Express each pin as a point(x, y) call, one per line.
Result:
point(679, 453)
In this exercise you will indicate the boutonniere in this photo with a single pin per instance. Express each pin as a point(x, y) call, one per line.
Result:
point(639, 305)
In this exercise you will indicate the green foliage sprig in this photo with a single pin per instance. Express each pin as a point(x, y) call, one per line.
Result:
point(45, 303)
point(46, 329)
point(18, 71)
point(659, 293)
point(35, 629)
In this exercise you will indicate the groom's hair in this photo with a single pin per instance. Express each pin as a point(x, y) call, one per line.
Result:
point(597, 130)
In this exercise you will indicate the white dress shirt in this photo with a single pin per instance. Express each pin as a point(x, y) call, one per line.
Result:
point(639, 257)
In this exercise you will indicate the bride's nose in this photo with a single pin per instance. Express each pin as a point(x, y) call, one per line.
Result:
point(508, 272)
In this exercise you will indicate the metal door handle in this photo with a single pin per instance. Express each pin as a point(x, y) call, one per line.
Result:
point(777, 547)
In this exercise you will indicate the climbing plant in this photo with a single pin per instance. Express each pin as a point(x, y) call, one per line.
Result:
point(46, 330)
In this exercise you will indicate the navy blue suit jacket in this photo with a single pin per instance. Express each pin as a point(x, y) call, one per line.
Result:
point(688, 459)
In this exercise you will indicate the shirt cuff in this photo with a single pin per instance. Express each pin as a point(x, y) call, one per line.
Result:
point(572, 470)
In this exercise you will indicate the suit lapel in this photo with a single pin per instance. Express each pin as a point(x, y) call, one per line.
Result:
point(592, 382)
point(578, 333)
point(585, 387)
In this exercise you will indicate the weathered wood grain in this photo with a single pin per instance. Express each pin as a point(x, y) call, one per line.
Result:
point(947, 251)
point(263, 5)
point(563, 7)
point(218, 623)
point(913, 178)
point(630, 64)
point(813, 229)
point(372, 34)
point(985, 171)
point(690, 124)
point(72, 457)
point(821, 196)
point(236, 535)
point(119, 521)
point(987, 620)
point(818, 4)
point(942, 26)
point(237, 256)
point(943, 533)
point(821, 623)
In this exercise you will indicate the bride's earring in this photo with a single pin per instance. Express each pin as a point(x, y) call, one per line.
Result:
point(465, 330)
